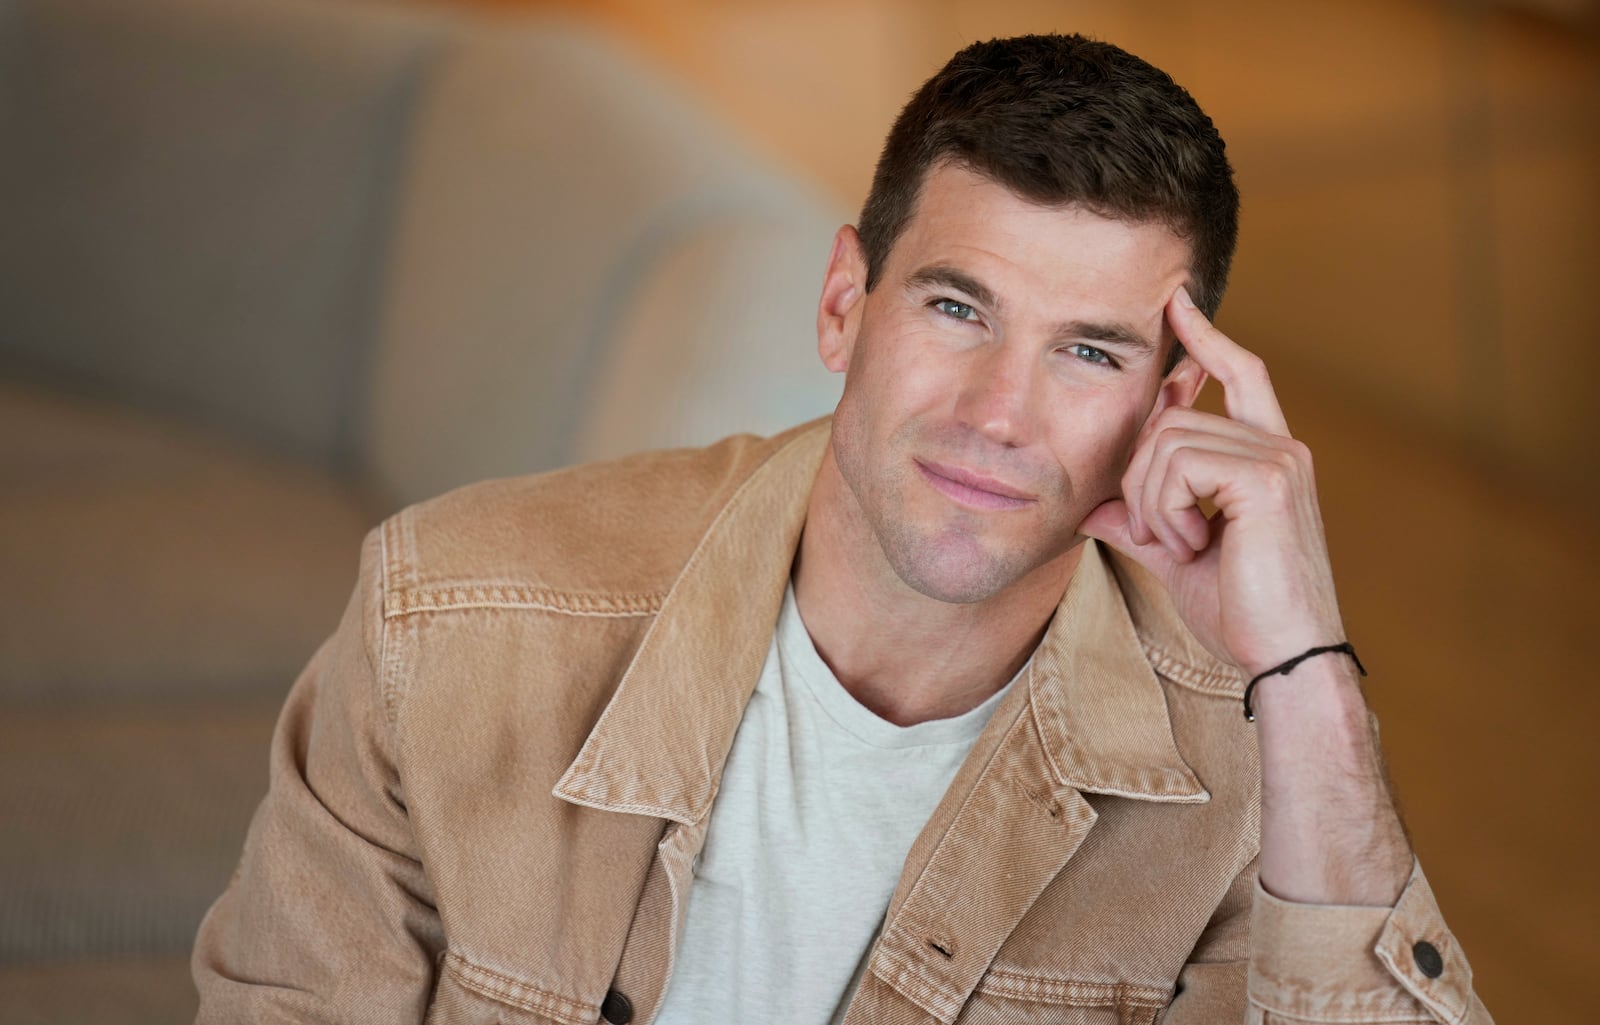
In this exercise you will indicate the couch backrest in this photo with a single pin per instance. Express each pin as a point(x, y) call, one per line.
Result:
point(428, 244)
point(586, 265)
point(196, 198)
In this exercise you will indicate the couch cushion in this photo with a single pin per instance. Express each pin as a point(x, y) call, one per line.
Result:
point(105, 991)
point(123, 823)
point(140, 557)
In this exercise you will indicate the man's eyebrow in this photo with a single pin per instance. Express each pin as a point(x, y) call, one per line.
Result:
point(942, 275)
point(1112, 333)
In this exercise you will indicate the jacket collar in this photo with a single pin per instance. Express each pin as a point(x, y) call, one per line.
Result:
point(1101, 712)
point(660, 745)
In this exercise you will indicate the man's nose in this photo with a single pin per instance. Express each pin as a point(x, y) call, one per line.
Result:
point(996, 395)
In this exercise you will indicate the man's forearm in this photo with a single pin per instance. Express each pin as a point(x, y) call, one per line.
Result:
point(1330, 833)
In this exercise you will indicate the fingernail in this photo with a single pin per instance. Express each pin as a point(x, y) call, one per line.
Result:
point(1184, 299)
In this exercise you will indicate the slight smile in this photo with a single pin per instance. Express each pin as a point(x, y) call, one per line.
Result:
point(972, 489)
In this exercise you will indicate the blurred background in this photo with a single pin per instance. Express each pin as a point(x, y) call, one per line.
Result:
point(270, 268)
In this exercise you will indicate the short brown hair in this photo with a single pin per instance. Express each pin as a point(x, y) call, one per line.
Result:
point(1061, 119)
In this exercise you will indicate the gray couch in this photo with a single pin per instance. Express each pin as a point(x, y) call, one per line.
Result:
point(268, 269)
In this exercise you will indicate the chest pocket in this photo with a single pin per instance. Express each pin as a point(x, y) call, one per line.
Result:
point(1007, 998)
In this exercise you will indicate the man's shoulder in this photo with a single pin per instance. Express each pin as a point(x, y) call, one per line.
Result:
point(615, 530)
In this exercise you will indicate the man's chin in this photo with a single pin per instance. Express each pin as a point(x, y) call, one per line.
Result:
point(960, 569)
point(954, 573)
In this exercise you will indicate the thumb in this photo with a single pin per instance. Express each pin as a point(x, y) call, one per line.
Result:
point(1108, 523)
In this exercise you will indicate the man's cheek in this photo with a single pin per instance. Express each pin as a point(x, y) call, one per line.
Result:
point(1136, 431)
point(1104, 481)
point(1101, 458)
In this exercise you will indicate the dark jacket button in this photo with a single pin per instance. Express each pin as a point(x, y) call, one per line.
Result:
point(618, 1009)
point(1428, 959)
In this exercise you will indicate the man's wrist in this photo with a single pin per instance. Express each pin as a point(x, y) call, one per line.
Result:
point(1322, 692)
point(1341, 649)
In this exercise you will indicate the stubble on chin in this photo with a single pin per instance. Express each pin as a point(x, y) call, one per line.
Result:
point(941, 552)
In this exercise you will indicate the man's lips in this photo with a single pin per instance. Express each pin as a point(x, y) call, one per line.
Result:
point(973, 489)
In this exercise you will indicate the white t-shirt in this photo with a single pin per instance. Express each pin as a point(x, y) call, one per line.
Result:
point(819, 802)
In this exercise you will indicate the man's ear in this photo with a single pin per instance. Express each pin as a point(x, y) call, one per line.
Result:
point(844, 286)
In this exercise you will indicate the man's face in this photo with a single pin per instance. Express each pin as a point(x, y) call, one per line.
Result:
point(997, 378)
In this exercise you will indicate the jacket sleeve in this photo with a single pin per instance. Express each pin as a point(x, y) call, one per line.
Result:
point(1283, 963)
point(1321, 963)
point(329, 916)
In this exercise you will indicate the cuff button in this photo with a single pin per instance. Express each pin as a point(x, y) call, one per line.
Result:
point(1428, 960)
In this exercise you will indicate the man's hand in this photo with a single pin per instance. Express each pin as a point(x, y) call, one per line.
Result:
point(1254, 584)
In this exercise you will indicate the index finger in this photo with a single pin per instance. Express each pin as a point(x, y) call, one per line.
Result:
point(1246, 389)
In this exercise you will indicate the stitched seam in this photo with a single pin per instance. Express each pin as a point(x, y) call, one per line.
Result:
point(387, 671)
point(912, 985)
point(658, 811)
point(1213, 682)
point(490, 983)
point(1000, 982)
point(1151, 795)
point(1354, 1018)
point(380, 669)
point(1452, 1004)
point(504, 596)
point(1277, 1000)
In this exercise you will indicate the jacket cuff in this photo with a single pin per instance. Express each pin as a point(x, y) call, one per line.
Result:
point(1334, 963)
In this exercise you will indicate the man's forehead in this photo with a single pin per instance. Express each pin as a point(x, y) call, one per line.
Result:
point(953, 197)
point(966, 225)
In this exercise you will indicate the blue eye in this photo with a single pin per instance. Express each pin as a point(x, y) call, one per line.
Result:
point(1089, 354)
point(952, 308)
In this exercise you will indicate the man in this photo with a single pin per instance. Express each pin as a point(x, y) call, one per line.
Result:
point(856, 723)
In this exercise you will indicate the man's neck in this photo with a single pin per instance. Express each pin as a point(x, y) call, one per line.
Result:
point(908, 657)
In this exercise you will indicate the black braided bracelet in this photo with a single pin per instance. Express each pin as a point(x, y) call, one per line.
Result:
point(1285, 668)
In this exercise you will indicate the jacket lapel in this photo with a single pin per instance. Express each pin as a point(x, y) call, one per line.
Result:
point(1100, 710)
point(660, 745)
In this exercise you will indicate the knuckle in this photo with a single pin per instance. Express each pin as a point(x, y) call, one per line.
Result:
point(1174, 416)
point(1180, 438)
point(1158, 427)
point(1182, 457)
point(1279, 477)
point(1249, 371)
point(1175, 494)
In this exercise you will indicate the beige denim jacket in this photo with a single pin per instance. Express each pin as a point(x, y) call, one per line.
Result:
point(489, 787)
